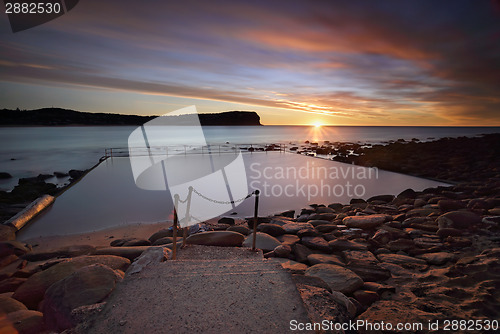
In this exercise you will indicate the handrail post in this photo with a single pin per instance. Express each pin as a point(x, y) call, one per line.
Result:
point(174, 230)
point(255, 218)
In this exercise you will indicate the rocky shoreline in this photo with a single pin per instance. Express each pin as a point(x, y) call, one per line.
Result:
point(416, 257)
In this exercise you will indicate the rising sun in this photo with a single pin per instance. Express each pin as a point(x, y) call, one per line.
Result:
point(317, 125)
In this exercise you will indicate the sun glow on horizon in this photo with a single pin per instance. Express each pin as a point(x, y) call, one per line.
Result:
point(317, 125)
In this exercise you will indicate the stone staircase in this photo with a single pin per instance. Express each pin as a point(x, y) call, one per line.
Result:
point(207, 290)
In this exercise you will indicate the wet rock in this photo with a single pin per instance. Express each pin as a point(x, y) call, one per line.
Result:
point(342, 244)
point(365, 222)
point(293, 228)
point(337, 277)
point(458, 219)
point(325, 258)
point(32, 291)
point(271, 229)
point(240, 229)
point(88, 285)
point(24, 322)
point(76, 174)
point(317, 243)
point(216, 238)
point(263, 241)
point(408, 193)
point(65, 252)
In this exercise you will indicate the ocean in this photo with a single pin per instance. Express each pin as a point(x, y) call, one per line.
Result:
point(30, 151)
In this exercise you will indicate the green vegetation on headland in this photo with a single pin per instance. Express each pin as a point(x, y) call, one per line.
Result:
point(59, 117)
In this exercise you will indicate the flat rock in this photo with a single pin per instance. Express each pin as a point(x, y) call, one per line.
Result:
point(271, 229)
point(401, 245)
point(325, 258)
point(370, 272)
point(318, 222)
point(403, 260)
point(70, 251)
point(317, 243)
point(240, 229)
point(326, 228)
point(216, 238)
point(32, 291)
point(163, 241)
point(365, 222)
point(341, 244)
point(86, 286)
point(127, 252)
point(263, 241)
point(337, 277)
point(293, 228)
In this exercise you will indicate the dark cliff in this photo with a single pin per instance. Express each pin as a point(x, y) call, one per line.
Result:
point(58, 117)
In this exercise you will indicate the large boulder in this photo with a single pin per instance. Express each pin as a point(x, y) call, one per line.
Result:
point(325, 258)
point(337, 277)
point(32, 291)
point(130, 253)
point(216, 238)
point(86, 286)
point(365, 222)
point(263, 241)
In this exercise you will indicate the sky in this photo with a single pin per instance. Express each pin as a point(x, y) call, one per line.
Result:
point(350, 62)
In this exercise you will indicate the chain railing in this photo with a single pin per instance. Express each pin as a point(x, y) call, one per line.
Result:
point(187, 200)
